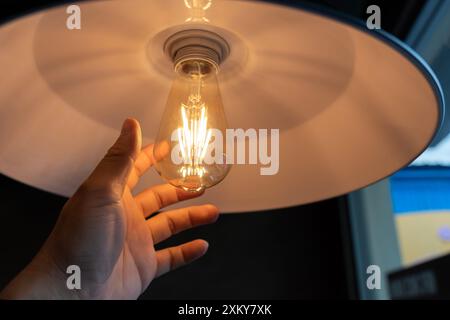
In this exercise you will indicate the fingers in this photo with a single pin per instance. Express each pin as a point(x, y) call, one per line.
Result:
point(143, 162)
point(166, 224)
point(148, 156)
point(175, 257)
point(158, 197)
point(111, 174)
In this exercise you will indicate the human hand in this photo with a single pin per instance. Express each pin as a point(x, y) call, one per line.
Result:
point(103, 230)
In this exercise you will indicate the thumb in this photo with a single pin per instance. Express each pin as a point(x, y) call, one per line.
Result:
point(111, 174)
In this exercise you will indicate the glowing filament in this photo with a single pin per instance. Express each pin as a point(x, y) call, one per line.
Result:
point(193, 138)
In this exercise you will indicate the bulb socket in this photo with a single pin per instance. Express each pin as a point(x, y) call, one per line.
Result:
point(197, 44)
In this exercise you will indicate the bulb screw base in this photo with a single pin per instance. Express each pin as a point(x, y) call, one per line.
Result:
point(196, 44)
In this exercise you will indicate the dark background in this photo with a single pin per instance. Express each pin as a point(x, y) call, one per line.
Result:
point(296, 253)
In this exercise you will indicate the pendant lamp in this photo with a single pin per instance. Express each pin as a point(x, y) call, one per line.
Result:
point(351, 105)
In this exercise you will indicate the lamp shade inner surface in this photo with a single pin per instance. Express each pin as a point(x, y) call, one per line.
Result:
point(352, 106)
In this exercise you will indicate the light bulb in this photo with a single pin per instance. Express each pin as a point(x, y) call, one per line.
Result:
point(189, 149)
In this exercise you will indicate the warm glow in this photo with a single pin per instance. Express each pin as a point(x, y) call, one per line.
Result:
point(194, 136)
point(188, 134)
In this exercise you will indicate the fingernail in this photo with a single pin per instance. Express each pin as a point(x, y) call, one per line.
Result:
point(127, 126)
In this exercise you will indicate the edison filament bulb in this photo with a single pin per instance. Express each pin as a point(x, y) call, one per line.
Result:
point(189, 151)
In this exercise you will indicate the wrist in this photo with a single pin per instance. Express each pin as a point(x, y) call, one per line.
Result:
point(42, 279)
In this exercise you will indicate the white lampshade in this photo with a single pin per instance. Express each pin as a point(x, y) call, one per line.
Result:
point(352, 105)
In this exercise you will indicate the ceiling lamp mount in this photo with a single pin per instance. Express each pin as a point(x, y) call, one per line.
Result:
point(197, 44)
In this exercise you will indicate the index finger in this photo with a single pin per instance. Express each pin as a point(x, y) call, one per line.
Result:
point(145, 160)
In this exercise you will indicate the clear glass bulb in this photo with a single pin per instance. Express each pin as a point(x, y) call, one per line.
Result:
point(189, 150)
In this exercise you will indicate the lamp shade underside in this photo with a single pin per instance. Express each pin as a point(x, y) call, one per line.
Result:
point(352, 105)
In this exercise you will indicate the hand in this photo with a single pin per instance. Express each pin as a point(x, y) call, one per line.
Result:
point(103, 230)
